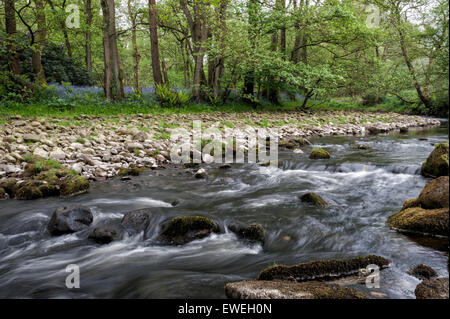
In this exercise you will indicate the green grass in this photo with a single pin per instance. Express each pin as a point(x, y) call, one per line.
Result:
point(80, 140)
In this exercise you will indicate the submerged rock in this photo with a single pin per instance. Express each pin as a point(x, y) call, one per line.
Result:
point(437, 162)
point(66, 220)
point(422, 272)
point(103, 235)
point(314, 199)
point(319, 153)
point(436, 288)
point(256, 289)
point(322, 269)
point(416, 220)
point(253, 232)
point(201, 173)
point(136, 221)
point(132, 171)
point(363, 147)
point(181, 230)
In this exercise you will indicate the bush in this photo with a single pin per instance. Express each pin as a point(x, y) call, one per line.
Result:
point(14, 87)
point(168, 97)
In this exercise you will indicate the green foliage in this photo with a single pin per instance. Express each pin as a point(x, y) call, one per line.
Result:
point(170, 98)
point(14, 87)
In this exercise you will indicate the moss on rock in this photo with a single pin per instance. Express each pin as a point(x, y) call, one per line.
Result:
point(319, 153)
point(253, 232)
point(28, 191)
point(181, 230)
point(417, 220)
point(422, 272)
point(132, 171)
point(314, 199)
point(3, 194)
point(435, 194)
point(322, 269)
point(437, 162)
point(436, 288)
point(71, 185)
point(254, 289)
point(413, 202)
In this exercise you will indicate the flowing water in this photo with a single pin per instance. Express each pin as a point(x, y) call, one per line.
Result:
point(363, 187)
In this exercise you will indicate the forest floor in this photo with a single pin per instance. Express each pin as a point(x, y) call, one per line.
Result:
point(98, 147)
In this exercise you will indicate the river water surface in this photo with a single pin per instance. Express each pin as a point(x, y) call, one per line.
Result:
point(363, 187)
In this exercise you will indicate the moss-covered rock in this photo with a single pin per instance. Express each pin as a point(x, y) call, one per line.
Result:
point(254, 289)
point(435, 194)
point(287, 144)
point(436, 288)
point(437, 163)
point(28, 191)
point(300, 141)
point(363, 147)
point(132, 171)
point(319, 153)
point(3, 194)
point(253, 232)
point(322, 269)
point(422, 272)
point(417, 220)
point(413, 202)
point(10, 185)
point(71, 185)
point(181, 230)
point(314, 199)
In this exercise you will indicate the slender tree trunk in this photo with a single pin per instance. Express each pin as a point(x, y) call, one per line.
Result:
point(299, 52)
point(156, 64)
point(87, 35)
point(136, 55)
point(40, 42)
point(11, 32)
point(249, 77)
point(114, 88)
point(62, 24)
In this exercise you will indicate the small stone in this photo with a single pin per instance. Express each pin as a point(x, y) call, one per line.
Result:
point(201, 173)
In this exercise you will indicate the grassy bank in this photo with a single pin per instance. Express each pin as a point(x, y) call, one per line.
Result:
point(71, 110)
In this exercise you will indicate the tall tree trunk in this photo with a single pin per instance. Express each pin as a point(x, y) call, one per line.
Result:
point(39, 43)
point(136, 55)
point(249, 77)
point(114, 88)
point(62, 24)
point(216, 63)
point(424, 98)
point(11, 32)
point(156, 64)
point(87, 36)
point(299, 52)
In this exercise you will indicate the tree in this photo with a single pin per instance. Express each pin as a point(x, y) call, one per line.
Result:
point(11, 32)
point(153, 28)
point(39, 42)
point(113, 81)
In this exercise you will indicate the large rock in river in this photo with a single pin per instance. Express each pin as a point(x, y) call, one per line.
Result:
point(181, 230)
point(319, 153)
point(322, 269)
point(66, 220)
point(277, 289)
point(435, 194)
point(428, 214)
point(437, 163)
point(432, 289)
point(314, 199)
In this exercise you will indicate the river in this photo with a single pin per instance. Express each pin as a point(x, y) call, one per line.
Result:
point(363, 187)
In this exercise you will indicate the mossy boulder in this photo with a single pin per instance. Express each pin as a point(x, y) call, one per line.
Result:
point(322, 269)
point(67, 220)
point(3, 194)
point(435, 194)
point(132, 171)
point(436, 288)
point(287, 144)
point(413, 202)
point(313, 199)
point(417, 220)
point(319, 153)
point(253, 232)
point(437, 162)
point(28, 191)
point(181, 230)
point(300, 141)
point(10, 186)
point(255, 289)
point(422, 272)
point(72, 185)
